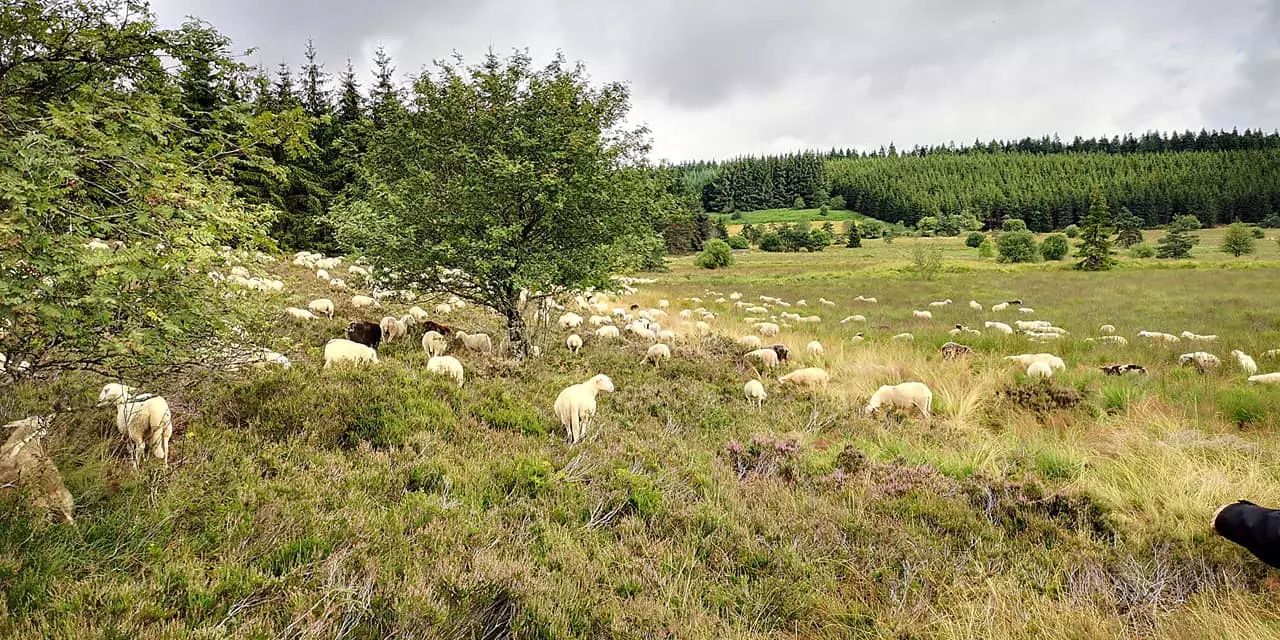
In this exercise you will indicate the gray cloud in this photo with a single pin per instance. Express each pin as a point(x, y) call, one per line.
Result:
point(718, 78)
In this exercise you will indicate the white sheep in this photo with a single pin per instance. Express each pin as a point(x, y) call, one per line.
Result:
point(321, 306)
point(299, 314)
point(1266, 378)
point(814, 348)
point(1109, 339)
point(754, 392)
point(1027, 310)
point(750, 341)
point(576, 404)
point(1026, 359)
point(1247, 363)
point(1000, 307)
point(657, 353)
point(446, 365)
point(340, 350)
point(418, 313)
point(1107, 328)
point(145, 419)
point(338, 285)
point(321, 274)
point(1271, 353)
point(767, 329)
point(573, 342)
point(807, 377)
point(434, 343)
point(569, 320)
point(922, 315)
point(867, 300)
point(476, 341)
point(902, 396)
point(826, 302)
point(768, 357)
point(1158, 336)
point(903, 337)
point(802, 303)
point(973, 304)
point(607, 332)
point(1203, 360)
point(666, 335)
point(360, 302)
point(854, 318)
point(1040, 369)
point(664, 303)
point(940, 303)
point(239, 271)
point(393, 328)
point(999, 326)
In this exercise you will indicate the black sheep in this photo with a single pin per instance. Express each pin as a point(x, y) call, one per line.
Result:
point(366, 333)
point(437, 327)
point(1255, 528)
point(781, 349)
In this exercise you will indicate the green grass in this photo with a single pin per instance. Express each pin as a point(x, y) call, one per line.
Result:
point(771, 216)
point(386, 501)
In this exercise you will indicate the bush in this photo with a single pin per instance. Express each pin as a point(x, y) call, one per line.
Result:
point(715, 254)
point(986, 249)
point(1054, 247)
point(1185, 223)
point(926, 263)
point(1238, 241)
point(739, 242)
point(824, 210)
point(1017, 246)
point(1013, 224)
point(837, 202)
point(974, 239)
point(798, 203)
point(1258, 233)
point(1072, 231)
point(771, 241)
point(1272, 221)
point(1142, 250)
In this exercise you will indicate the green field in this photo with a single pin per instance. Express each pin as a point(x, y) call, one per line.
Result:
point(386, 502)
point(771, 216)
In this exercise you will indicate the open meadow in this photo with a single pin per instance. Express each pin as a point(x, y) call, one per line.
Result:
point(384, 501)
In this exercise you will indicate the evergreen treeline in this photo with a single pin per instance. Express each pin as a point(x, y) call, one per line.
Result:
point(1150, 142)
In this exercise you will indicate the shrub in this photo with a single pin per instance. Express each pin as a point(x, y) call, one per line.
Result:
point(824, 210)
point(798, 203)
point(1177, 243)
point(1185, 223)
point(771, 241)
point(818, 240)
point(715, 254)
point(1238, 241)
point(1017, 246)
point(1054, 247)
point(974, 239)
point(739, 242)
point(1142, 250)
point(1013, 224)
point(986, 249)
point(1258, 233)
point(837, 202)
point(506, 413)
point(1072, 231)
point(926, 263)
point(1272, 221)
point(522, 476)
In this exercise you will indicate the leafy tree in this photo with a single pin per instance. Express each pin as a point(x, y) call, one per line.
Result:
point(1129, 227)
point(1177, 243)
point(798, 203)
point(553, 186)
point(817, 240)
point(1018, 245)
point(1013, 224)
point(1054, 247)
point(824, 210)
point(1072, 231)
point(986, 250)
point(1095, 247)
point(1238, 240)
point(1257, 232)
point(974, 239)
point(1186, 223)
point(927, 225)
point(715, 254)
point(1142, 250)
point(738, 242)
point(838, 203)
point(853, 237)
point(1272, 221)
point(926, 263)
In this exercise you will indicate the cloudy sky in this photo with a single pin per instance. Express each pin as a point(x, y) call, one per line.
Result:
point(719, 78)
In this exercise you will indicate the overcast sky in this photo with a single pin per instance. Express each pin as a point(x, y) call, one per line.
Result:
point(715, 79)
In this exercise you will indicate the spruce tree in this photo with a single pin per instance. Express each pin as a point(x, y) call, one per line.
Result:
point(350, 102)
point(855, 237)
point(283, 94)
point(1095, 247)
point(315, 95)
point(1129, 227)
point(384, 97)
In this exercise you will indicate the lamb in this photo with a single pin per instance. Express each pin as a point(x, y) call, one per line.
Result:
point(1266, 378)
point(754, 391)
point(903, 337)
point(365, 333)
point(418, 313)
point(749, 341)
point(1040, 369)
point(321, 274)
point(322, 305)
point(576, 405)
point(25, 466)
point(446, 365)
point(299, 314)
point(814, 348)
point(784, 353)
point(999, 326)
point(953, 350)
point(443, 309)
point(573, 342)
point(1107, 328)
point(476, 341)
point(1203, 360)
point(145, 419)
point(854, 318)
point(902, 396)
point(360, 302)
point(607, 332)
point(807, 377)
point(338, 350)
point(657, 353)
point(768, 357)
point(768, 329)
point(940, 303)
point(1123, 369)
point(435, 344)
point(973, 304)
point(922, 315)
point(1246, 362)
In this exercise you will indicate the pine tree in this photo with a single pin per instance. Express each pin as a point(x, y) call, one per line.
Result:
point(350, 102)
point(283, 94)
point(384, 97)
point(315, 97)
point(855, 237)
point(1129, 227)
point(1177, 243)
point(1095, 247)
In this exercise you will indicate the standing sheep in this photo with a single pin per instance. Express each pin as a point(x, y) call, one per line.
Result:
point(368, 334)
point(1203, 360)
point(576, 404)
point(299, 314)
point(954, 350)
point(749, 341)
point(476, 341)
point(754, 391)
point(814, 348)
point(768, 357)
point(322, 306)
point(657, 353)
point(903, 396)
point(1040, 369)
point(144, 419)
point(573, 342)
point(25, 466)
point(767, 329)
point(419, 314)
point(446, 365)
point(973, 304)
point(338, 350)
point(922, 315)
point(1247, 363)
point(434, 343)
point(360, 302)
point(393, 328)
point(807, 377)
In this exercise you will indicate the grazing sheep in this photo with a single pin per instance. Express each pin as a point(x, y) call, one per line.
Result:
point(1266, 378)
point(768, 357)
point(365, 333)
point(1203, 360)
point(702, 327)
point(607, 332)
point(749, 341)
point(25, 466)
point(476, 341)
point(1271, 353)
point(1195, 337)
point(446, 365)
point(96, 244)
point(1024, 325)
point(857, 337)
point(973, 304)
point(902, 396)
point(999, 326)
point(784, 353)
point(807, 377)
point(1158, 336)
point(903, 337)
point(824, 301)
point(437, 327)
point(1123, 369)
point(1027, 310)
point(1000, 307)
point(299, 314)
point(576, 404)
point(1040, 369)
point(854, 318)
point(360, 302)
point(767, 329)
point(1255, 528)
point(443, 309)
point(953, 350)
point(1026, 359)
point(922, 315)
point(322, 305)
point(239, 271)
point(1247, 363)
point(573, 342)
point(393, 328)
point(569, 320)
point(1109, 339)
point(814, 348)
point(1107, 328)
point(940, 303)
point(666, 335)
point(664, 303)
point(435, 344)
point(338, 351)
point(338, 285)
point(657, 353)
point(867, 300)
point(418, 313)
point(754, 391)
point(321, 274)
point(959, 329)
point(145, 419)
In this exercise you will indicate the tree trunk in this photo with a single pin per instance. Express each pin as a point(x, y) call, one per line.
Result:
point(516, 331)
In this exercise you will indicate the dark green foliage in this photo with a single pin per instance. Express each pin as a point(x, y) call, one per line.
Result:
point(974, 239)
point(1071, 231)
point(1258, 233)
point(1177, 243)
point(837, 203)
point(1013, 224)
point(1129, 228)
point(738, 242)
point(798, 203)
point(824, 210)
point(1272, 221)
point(1186, 223)
point(1054, 247)
point(1142, 250)
point(1018, 245)
point(751, 233)
point(1238, 240)
point(751, 184)
point(504, 412)
point(853, 239)
point(1095, 245)
point(771, 242)
point(715, 254)
point(986, 249)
